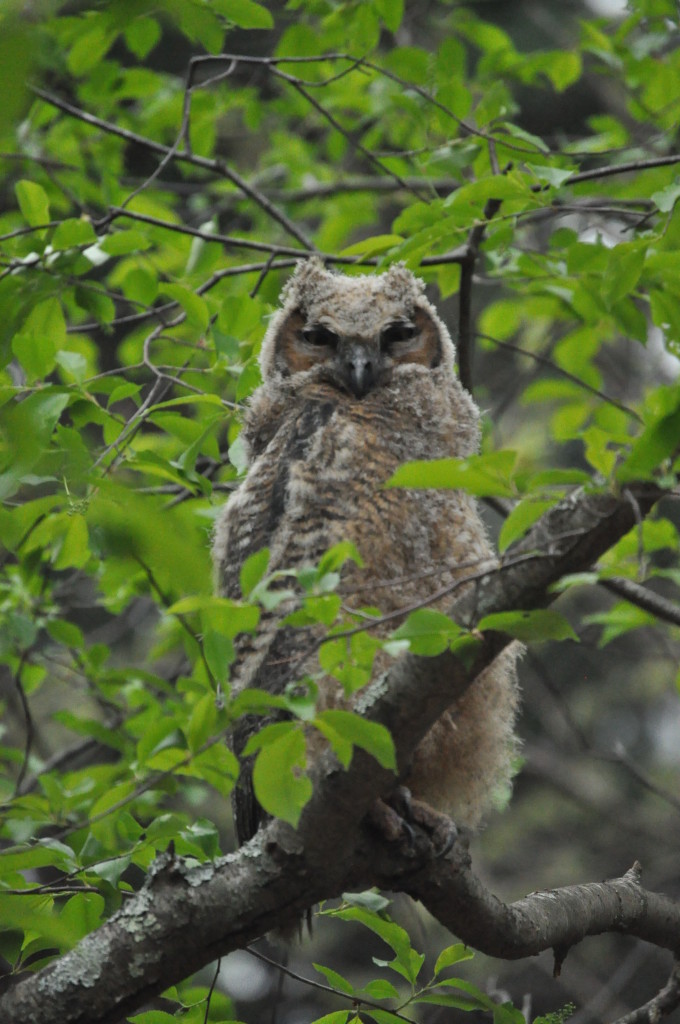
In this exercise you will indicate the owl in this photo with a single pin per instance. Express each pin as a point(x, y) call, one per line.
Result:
point(358, 378)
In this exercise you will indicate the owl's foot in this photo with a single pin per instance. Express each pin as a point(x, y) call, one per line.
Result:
point(397, 814)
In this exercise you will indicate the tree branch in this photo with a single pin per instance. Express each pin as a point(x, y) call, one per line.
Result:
point(646, 599)
point(663, 1003)
point(215, 166)
point(556, 919)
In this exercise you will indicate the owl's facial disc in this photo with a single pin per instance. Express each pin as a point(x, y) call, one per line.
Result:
point(356, 361)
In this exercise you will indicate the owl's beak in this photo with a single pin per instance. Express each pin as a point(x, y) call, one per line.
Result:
point(360, 369)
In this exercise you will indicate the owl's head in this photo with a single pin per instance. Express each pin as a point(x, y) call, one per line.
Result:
point(353, 332)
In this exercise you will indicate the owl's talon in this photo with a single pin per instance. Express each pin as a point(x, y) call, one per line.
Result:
point(395, 817)
point(401, 801)
point(439, 827)
point(391, 825)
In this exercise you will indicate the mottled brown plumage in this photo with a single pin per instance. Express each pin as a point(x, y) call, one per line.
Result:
point(358, 378)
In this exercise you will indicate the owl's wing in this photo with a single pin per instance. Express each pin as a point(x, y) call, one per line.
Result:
point(281, 663)
point(257, 516)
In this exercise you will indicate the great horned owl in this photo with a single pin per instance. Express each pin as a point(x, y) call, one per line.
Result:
point(358, 378)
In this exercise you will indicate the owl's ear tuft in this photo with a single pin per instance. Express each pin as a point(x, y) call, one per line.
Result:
point(399, 284)
point(305, 281)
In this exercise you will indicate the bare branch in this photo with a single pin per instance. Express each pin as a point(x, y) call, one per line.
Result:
point(646, 599)
point(215, 166)
point(663, 1003)
point(555, 368)
point(560, 918)
point(465, 333)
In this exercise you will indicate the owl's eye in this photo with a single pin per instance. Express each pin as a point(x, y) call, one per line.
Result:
point(320, 336)
point(394, 333)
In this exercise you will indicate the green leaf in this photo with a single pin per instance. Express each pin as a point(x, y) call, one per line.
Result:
point(372, 737)
point(105, 829)
point(428, 631)
point(666, 198)
point(408, 961)
point(473, 998)
point(74, 365)
point(140, 284)
point(373, 246)
point(620, 619)
point(194, 306)
point(202, 722)
point(563, 68)
point(89, 48)
point(74, 550)
point(28, 427)
point(120, 243)
point(336, 557)
point(72, 232)
point(523, 515)
point(33, 202)
point(336, 1017)
point(369, 899)
point(253, 570)
point(554, 176)
point(334, 979)
point(82, 913)
point(154, 1017)
point(253, 701)
point(480, 474)
point(657, 442)
point(219, 613)
point(379, 988)
point(141, 35)
point(281, 786)
point(39, 339)
point(509, 1014)
point(453, 955)
point(391, 12)
point(533, 626)
point(219, 653)
point(66, 633)
point(624, 268)
point(245, 13)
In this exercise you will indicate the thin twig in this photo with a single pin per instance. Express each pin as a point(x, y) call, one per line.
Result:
point(28, 720)
point(663, 1003)
point(467, 269)
point(213, 236)
point(544, 361)
point(211, 990)
point(353, 997)
point(646, 599)
point(323, 190)
point(215, 166)
point(333, 121)
point(619, 756)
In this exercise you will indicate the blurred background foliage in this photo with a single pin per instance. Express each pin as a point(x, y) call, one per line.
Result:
point(152, 203)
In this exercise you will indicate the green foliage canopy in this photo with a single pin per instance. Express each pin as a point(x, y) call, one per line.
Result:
point(151, 209)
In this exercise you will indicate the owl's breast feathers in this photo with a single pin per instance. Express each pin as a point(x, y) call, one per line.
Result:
point(319, 480)
point(320, 459)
